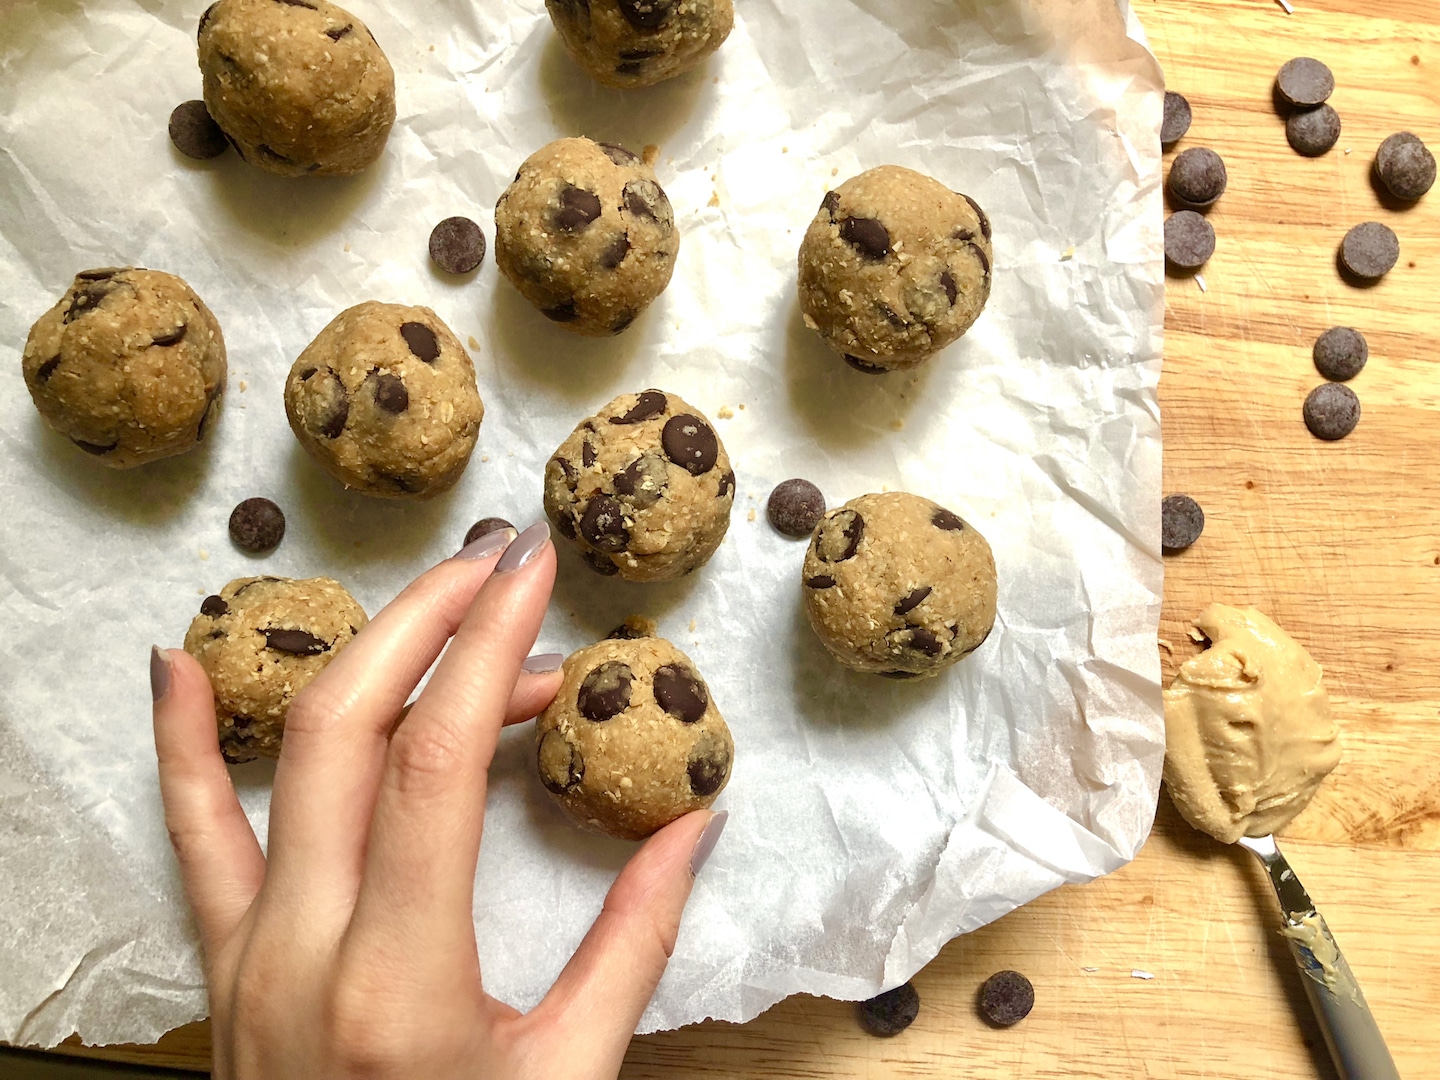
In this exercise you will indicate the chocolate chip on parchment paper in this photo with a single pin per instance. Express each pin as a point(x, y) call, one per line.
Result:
point(795, 507)
point(457, 245)
point(194, 133)
point(257, 525)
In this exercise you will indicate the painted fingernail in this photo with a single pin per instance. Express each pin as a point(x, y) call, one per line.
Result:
point(159, 673)
point(543, 663)
point(708, 839)
point(525, 547)
point(487, 545)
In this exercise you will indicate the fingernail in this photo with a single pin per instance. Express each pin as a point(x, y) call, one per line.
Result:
point(524, 548)
point(485, 546)
point(543, 663)
point(159, 673)
point(708, 839)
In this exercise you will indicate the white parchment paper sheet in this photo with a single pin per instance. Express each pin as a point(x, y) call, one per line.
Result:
point(870, 820)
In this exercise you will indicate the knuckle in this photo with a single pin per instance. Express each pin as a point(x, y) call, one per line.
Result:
point(366, 1040)
point(314, 710)
point(427, 754)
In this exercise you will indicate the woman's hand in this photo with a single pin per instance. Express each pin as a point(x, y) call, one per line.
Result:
point(350, 951)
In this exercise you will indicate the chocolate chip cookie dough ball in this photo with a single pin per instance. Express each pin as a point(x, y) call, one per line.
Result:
point(894, 267)
point(626, 43)
point(643, 488)
point(261, 641)
point(129, 365)
point(633, 740)
point(587, 235)
point(385, 400)
point(298, 86)
point(898, 585)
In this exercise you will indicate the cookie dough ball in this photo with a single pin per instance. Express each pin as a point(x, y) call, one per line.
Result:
point(633, 740)
point(898, 585)
point(626, 43)
point(129, 365)
point(894, 267)
point(643, 488)
point(587, 235)
point(298, 86)
point(385, 400)
point(261, 641)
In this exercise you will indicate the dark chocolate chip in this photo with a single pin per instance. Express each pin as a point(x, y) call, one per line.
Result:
point(1313, 132)
point(599, 563)
point(649, 403)
point(1370, 250)
point(305, 375)
point(235, 753)
point(947, 520)
point(484, 527)
point(629, 67)
point(603, 524)
point(893, 317)
point(194, 133)
point(1331, 411)
point(298, 3)
point(565, 522)
point(88, 299)
point(839, 535)
point(984, 220)
point(867, 236)
point(690, 443)
point(643, 481)
point(266, 150)
point(170, 337)
point(681, 693)
point(242, 722)
point(623, 322)
point(865, 365)
point(95, 448)
point(820, 581)
point(457, 245)
point(1405, 166)
point(567, 468)
point(795, 507)
point(1006, 998)
point(913, 599)
point(562, 312)
point(214, 607)
point(294, 642)
point(1189, 240)
point(617, 153)
point(898, 674)
point(335, 33)
point(915, 639)
point(947, 282)
point(587, 454)
point(1197, 177)
point(632, 629)
point(984, 259)
point(1181, 523)
point(615, 254)
point(1177, 119)
point(205, 18)
point(578, 208)
point(253, 582)
point(830, 204)
point(210, 411)
point(257, 525)
point(421, 341)
point(1340, 353)
point(103, 273)
point(333, 404)
point(605, 691)
point(390, 393)
point(643, 198)
point(645, 14)
point(561, 765)
point(891, 1012)
point(45, 370)
point(726, 485)
point(708, 765)
point(1305, 82)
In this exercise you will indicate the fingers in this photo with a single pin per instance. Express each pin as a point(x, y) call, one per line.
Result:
point(220, 861)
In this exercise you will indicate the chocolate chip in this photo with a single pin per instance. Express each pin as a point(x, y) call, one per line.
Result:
point(236, 753)
point(1313, 132)
point(984, 221)
point(210, 411)
point(649, 403)
point(643, 481)
point(45, 370)
point(947, 520)
point(839, 536)
point(561, 766)
point(913, 599)
point(95, 448)
point(947, 282)
point(632, 629)
point(617, 153)
point(266, 150)
point(645, 14)
point(587, 454)
point(629, 67)
point(865, 365)
point(1177, 119)
point(390, 393)
point(1189, 240)
point(578, 208)
point(567, 469)
point(170, 337)
point(1340, 353)
point(257, 525)
point(795, 507)
point(914, 639)
point(336, 33)
point(565, 522)
point(1197, 177)
point(830, 204)
point(867, 236)
point(332, 404)
point(603, 524)
point(726, 485)
point(643, 198)
point(1405, 166)
point(214, 607)
point(984, 259)
point(1370, 250)
point(622, 324)
point(615, 254)
point(820, 581)
point(891, 1012)
point(205, 18)
point(421, 341)
point(1331, 411)
point(457, 245)
point(1006, 998)
point(194, 133)
point(253, 582)
point(681, 693)
point(562, 312)
point(294, 642)
point(893, 317)
point(102, 273)
point(1181, 523)
point(605, 692)
point(599, 563)
point(899, 674)
point(690, 443)
point(708, 765)
point(1305, 82)
point(484, 527)
point(309, 371)
point(298, 3)
point(88, 299)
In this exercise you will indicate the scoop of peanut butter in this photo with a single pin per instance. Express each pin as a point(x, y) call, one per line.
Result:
point(1248, 731)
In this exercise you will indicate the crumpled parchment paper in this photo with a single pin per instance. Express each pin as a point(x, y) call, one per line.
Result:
point(871, 821)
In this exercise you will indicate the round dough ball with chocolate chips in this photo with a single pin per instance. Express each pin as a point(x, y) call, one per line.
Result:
point(894, 267)
point(587, 235)
point(898, 585)
point(299, 87)
point(385, 400)
point(626, 43)
point(633, 739)
point(261, 640)
point(643, 488)
point(129, 365)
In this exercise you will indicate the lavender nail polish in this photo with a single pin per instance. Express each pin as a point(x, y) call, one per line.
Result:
point(708, 839)
point(524, 548)
point(159, 673)
point(486, 546)
point(543, 663)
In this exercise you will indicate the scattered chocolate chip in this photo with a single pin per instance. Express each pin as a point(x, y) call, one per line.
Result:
point(947, 282)
point(984, 220)
point(726, 485)
point(1006, 998)
point(561, 766)
point(605, 692)
point(947, 520)
point(294, 642)
point(820, 581)
point(484, 527)
point(210, 410)
point(599, 563)
point(680, 693)
point(1313, 132)
point(629, 67)
point(1331, 411)
point(45, 370)
point(603, 524)
point(95, 448)
point(618, 154)
point(457, 245)
point(235, 753)
point(1189, 240)
point(913, 599)
point(643, 198)
point(633, 628)
point(865, 365)
point(839, 535)
point(335, 33)
point(214, 607)
point(253, 582)
point(830, 203)
point(170, 337)
point(643, 481)
point(421, 341)
point(578, 208)
point(309, 371)
point(690, 443)
point(708, 765)
point(333, 404)
point(194, 133)
point(1181, 523)
point(390, 393)
point(88, 299)
point(867, 236)
point(891, 1012)
point(984, 259)
point(562, 312)
point(257, 525)
point(1405, 166)
point(615, 254)
point(1177, 119)
point(103, 273)
point(266, 150)
point(1370, 250)
point(1197, 177)
point(645, 14)
point(1305, 82)
point(298, 3)
point(205, 18)
point(915, 639)
point(567, 469)
point(893, 317)
point(1340, 353)
point(649, 403)
point(587, 454)
point(565, 522)
point(623, 322)
point(795, 507)
point(898, 674)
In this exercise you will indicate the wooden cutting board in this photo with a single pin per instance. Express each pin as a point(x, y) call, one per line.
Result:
point(1339, 542)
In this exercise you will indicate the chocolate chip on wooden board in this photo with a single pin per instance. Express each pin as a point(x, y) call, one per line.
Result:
point(1312, 132)
point(457, 245)
point(891, 1012)
point(1181, 523)
point(1305, 82)
point(1189, 240)
point(1006, 998)
point(1370, 250)
point(1405, 166)
point(1331, 411)
point(1176, 121)
point(1340, 353)
point(795, 508)
point(1197, 178)
point(194, 133)
point(257, 525)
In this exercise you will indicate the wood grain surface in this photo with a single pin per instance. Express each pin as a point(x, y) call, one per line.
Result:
point(1339, 542)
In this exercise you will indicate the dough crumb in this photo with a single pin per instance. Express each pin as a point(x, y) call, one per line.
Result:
point(692, 626)
point(751, 515)
point(484, 457)
point(347, 249)
point(714, 199)
point(835, 171)
point(244, 386)
point(741, 406)
point(897, 424)
point(650, 154)
point(726, 413)
point(1068, 254)
point(784, 149)
point(470, 340)
point(204, 555)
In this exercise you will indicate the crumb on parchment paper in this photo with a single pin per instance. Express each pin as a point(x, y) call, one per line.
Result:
point(897, 424)
point(725, 412)
point(751, 515)
point(650, 154)
point(470, 340)
point(692, 626)
point(244, 386)
point(714, 199)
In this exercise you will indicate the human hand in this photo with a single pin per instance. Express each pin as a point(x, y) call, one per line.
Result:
point(350, 951)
